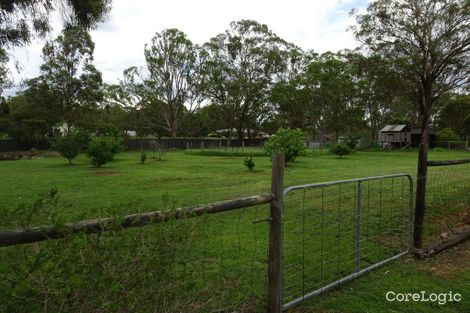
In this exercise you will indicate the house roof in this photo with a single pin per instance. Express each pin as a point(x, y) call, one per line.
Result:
point(393, 128)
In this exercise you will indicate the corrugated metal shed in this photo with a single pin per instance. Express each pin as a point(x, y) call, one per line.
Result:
point(393, 128)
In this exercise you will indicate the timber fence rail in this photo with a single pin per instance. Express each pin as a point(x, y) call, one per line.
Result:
point(36, 234)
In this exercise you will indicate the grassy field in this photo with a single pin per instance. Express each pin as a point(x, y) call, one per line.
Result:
point(127, 271)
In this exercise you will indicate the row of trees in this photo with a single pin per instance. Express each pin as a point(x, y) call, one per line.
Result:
point(245, 80)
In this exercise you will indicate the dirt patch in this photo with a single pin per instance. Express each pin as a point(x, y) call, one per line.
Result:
point(106, 173)
point(169, 179)
point(26, 155)
point(449, 262)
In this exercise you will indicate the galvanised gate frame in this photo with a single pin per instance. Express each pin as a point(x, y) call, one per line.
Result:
point(336, 231)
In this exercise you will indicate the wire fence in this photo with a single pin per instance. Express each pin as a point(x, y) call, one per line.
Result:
point(209, 263)
point(456, 145)
point(334, 232)
point(448, 190)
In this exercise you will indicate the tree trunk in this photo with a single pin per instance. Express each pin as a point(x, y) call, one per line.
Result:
point(421, 178)
point(240, 132)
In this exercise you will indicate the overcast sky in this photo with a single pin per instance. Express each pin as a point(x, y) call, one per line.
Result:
point(320, 25)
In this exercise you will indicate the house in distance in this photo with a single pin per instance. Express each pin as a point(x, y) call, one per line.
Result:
point(403, 136)
point(395, 136)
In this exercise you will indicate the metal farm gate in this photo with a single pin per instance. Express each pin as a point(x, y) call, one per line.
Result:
point(336, 231)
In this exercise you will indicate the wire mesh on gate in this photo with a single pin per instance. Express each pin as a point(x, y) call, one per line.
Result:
point(336, 231)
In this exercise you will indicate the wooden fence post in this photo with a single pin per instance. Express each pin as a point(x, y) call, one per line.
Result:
point(274, 304)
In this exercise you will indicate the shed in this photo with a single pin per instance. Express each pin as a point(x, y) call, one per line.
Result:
point(416, 137)
point(396, 136)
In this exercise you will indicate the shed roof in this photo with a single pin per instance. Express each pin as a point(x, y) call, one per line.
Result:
point(393, 128)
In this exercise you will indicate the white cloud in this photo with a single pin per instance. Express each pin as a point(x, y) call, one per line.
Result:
point(119, 43)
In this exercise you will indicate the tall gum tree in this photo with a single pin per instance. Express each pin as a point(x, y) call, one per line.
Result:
point(165, 90)
point(69, 72)
point(238, 70)
point(428, 43)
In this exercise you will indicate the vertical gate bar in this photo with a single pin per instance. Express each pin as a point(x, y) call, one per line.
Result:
point(357, 237)
point(274, 302)
point(321, 234)
point(303, 243)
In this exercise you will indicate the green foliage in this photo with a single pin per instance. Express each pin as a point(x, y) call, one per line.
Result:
point(340, 149)
point(69, 73)
point(27, 19)
point(239, 86)
point(350, 141)
point(330, 77)
point(249, 163)
point(103, 149)
point(447, 134)
point(288, 141)
point(109, 129)
point(143, 157)
point(171, 57)
point(69, 145)
point(31, 115)
point(456, 115)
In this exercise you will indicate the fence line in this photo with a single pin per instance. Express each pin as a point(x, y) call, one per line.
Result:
point(448, 185)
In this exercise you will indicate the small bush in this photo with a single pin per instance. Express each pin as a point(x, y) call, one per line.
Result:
point(103, 149)
point(143, 157)
point(447, 134)
point(340, 150)
point(249, 163)
point(350, 141)
point(70, 144)
point(288, 141)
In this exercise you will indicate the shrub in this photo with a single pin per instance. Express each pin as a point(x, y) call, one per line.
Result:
point(249, 163)
point(83, 138)
point(448, 134)
point(288, 141)
point(340, 149)
point(350, 141)
point(143, 157)
point(69, 145)
point(103, 149)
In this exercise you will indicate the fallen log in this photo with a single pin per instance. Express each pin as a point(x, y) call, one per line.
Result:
point(446, 243)
point(448, 162)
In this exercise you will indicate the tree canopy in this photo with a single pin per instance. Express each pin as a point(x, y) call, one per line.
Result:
point(23, 20)
point(69, 72)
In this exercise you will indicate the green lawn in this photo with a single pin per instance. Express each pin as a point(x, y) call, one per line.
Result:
point(127, 186)
point(202, 263)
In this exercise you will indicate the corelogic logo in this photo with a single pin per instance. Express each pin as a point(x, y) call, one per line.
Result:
point(423, 296)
